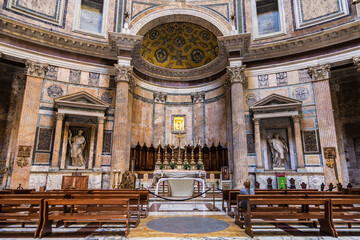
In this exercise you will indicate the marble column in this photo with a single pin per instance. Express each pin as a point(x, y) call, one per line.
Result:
point(28, 121)
point(298, 143)
point(57, 141)
point(227, 88)
point(159, 118)
point(240, 171)
point(320, 76)
point(198, 104)
point(122, 120)
point(259, 160)
point(99, 142)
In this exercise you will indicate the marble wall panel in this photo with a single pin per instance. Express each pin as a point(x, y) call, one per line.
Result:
point(42, 158)
point(46, 120)
point(74, 89)
point(312, 159)
point(142, 122)
point(252, 82)
point(280, 91)
point(198, 128)
point(215, 122)
point(144, 93)
point(84, 78)
point(215, 93)
point(104, 80)
point(109, 125)
point(95, 181)
point(159, 124)
point(53, 90)
point(308, 123)
point(178, 110)
point(272, 80)
point(37, 180)
point(302, 93)
point(178, 98)
point(105, 160)
point(63, 74)
point(293, 77)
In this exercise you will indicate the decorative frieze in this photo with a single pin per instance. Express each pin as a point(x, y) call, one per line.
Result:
point(356, 61)
point(123, 73)
point(236, 74)
point(160, 97)
point(35, 69)
point(320, 72)
point(198, 97)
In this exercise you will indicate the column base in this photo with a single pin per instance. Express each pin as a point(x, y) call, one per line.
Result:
point(301, 170)
point(259, 170)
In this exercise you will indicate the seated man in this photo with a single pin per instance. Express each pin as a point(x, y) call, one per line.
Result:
point(246, 191)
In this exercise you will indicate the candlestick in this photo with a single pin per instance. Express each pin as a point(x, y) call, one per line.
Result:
point(118, 183)
point(158, 161)
point(172, 153)
point(185, 155)
point(114, 172)
point(165, 156)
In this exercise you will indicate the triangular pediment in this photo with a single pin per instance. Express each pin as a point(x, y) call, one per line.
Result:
point(276, 102)
point(82, 100)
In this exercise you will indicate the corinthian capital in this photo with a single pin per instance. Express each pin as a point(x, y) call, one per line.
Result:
point(60, 116)
point(236, 74)
point(198, 97)
point(320, 72)
point(35, 69)
point(356, 61)
point(160, 97)
point(123, 73)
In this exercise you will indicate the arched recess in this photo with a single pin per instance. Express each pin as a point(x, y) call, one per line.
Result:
point(206, 19)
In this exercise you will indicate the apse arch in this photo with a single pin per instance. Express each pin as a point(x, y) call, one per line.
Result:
point(208, 20)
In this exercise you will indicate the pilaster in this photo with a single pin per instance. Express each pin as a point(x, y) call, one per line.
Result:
point(198, 104)
point(28, 121)
point(159, 117)
point(320, 76)
point(99, 142)
point(259, 160)
point(298, 143)
point(57, 140)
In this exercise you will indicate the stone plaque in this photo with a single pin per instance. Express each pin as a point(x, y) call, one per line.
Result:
point(310, 141)
point(250, 139)
point(52, 72)
point(44, 139)
point(94, 79)
point(42, 158)
point(74, 76)
point(24, 151)
point(107, 140)
point(263, 80)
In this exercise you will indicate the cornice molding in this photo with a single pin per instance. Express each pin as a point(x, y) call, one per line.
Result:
point(208, 70)
point(236, 43)
point(123, 42)
point(326, 38)
point(52, 39)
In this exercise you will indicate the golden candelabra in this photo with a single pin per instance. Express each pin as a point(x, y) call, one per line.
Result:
point(172, 153)
point(185, 155)
point(118, 182)
point(192, 156)
point(158, 161)
point(114, 179)
point(179, 161)
point(165, 156)
point(200, 155)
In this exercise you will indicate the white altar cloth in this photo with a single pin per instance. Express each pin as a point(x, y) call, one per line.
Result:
point(195, 179)
point(179, 173)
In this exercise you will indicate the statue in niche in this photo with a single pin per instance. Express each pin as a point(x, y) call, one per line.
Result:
point(278, 150)
point(77, 146)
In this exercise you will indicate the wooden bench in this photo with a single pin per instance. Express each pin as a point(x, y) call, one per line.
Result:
point(22, 210)
point(134, 202)
point(89, 210)
point(280, 213)
point(344, 211)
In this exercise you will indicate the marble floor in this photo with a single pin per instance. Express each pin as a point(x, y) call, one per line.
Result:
point(172, 213)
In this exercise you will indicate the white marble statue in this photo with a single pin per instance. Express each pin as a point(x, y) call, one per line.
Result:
point(77, 146)
point(278, 150)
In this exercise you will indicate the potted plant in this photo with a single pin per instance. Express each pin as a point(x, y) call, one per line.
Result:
point(172, 165)
point(162, 166)
point(187, 166)
point(199, 166)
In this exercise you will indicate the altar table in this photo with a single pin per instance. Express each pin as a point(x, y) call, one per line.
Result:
point(181, 186)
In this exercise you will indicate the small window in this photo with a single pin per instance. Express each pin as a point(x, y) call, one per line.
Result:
point(91, 17)
point(267, 18)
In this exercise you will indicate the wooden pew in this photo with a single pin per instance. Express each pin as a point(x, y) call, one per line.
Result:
point(225, 198)
point(344, 211)
point(279, 213)
point(134, 201)
point(22, 210)
point(89, 210)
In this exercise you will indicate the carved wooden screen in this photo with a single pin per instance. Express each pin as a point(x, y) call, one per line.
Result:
point(213, 158)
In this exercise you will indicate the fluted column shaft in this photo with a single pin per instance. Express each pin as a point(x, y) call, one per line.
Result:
point(259, 160)
point(99, 142)
point(325, 116)
point(57, 140)
point(240, 171)
point(28, 122)
point(298, 143)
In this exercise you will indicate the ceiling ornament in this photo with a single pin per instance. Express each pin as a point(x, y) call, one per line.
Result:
point(179, 46)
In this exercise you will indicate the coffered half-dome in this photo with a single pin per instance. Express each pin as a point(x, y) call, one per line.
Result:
point(179, 45)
